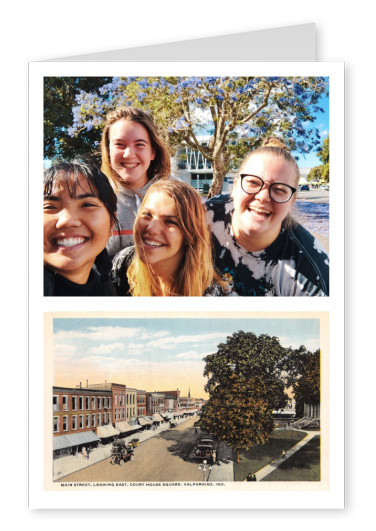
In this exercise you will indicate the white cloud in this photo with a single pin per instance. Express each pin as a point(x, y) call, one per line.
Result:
point(170, 341)
point(192, 355)
point(99, 333)
point(136, 346)
point(64, 351)
point(106, 349)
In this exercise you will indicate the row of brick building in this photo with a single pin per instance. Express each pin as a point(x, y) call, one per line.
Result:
point(87, 415)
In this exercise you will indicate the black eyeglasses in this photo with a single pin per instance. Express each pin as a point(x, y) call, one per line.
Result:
point(279, 192)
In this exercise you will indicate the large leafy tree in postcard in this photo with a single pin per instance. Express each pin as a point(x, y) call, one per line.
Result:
point(248, 377)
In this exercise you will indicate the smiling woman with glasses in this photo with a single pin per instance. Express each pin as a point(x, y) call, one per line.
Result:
point(259, 248)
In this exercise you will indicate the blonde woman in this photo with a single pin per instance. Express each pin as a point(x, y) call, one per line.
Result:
point(134, 156)
point(172, 254)
point(259, 248)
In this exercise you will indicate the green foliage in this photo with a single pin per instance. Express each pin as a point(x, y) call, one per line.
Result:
point(239, 412)
point(245, 384)
point(315, 174)
point(319, 173)
point(303, 374)
point(246, 355)
point(59, 99)
point(235, 111)
point(307, 388)
point(323, 154)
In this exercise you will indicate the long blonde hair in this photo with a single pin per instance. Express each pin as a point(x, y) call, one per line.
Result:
point(196, 272)
point(160, 167)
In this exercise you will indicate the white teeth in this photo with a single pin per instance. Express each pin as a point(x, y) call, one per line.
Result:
point(153, 244)
point(69, 242)
point(129, 165)
point(260, 210)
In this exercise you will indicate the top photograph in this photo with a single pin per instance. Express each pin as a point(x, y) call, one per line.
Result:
point(186, 186)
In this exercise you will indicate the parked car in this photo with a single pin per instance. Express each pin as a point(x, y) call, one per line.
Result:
point(134, 443)
point(325, 187)
point(201, 452)
point(304, 187)
point(173, 423)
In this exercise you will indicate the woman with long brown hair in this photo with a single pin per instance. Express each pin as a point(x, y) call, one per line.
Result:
point(172, 254)
point(134, 156)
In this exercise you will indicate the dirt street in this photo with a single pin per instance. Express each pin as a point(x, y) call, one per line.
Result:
point(161, 458)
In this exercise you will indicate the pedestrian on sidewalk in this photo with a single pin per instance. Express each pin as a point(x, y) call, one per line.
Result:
point(283, 454)
point(254, 478)
point(249, 477)
point(84, 452)
point(88, 452)
point(214, 456)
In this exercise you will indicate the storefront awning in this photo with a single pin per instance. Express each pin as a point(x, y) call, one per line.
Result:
point(107, 431)
point(74, 439)
point(124, 427)
point(144, 422)
point(157, 417)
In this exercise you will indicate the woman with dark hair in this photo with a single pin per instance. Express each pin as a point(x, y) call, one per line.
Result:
point(79, 212)
point(134, 157)
point(259, 248)
point(172, 254)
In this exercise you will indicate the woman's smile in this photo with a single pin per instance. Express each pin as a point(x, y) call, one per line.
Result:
point(159, 239)
point(76, 230)
point(257, 219)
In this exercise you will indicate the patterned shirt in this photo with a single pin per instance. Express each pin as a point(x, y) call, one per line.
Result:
point(295, 264)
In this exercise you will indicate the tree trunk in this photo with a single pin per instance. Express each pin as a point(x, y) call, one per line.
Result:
point(220, 168)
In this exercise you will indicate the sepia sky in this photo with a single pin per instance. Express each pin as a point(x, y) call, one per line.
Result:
point(157, 354)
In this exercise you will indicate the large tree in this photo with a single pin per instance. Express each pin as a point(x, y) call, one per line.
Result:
point(302, 373)
point(235, 111)
point(248, 355)
point(245, 384)
point(239, 413)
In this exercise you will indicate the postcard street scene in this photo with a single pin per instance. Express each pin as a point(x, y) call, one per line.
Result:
point(193, 400)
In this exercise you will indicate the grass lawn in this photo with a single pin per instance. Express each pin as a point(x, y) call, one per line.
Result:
point(304, 465)
point(250, 461)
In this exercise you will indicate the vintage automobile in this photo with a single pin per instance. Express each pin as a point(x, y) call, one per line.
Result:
point(121, 453)
point(201, 452)
point(134, 443)
point(173, 423)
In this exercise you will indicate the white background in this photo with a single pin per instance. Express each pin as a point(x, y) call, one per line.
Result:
point(43, 29)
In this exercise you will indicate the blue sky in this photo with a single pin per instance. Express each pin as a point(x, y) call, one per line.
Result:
point(311, 160)
point(159, 353)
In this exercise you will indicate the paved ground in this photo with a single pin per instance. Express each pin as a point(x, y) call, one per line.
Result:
point(161, 456)
point(311, 209)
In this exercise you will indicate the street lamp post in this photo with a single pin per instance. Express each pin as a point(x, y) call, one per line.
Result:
point(204, 469)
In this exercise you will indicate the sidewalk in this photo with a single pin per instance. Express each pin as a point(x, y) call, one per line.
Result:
point(223, 469)
point(65, 465)
point(271, 467)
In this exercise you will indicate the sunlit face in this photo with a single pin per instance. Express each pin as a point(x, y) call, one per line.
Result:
point(131, 152)
point(257, 220)
point(76, 230)
point(159, 239)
